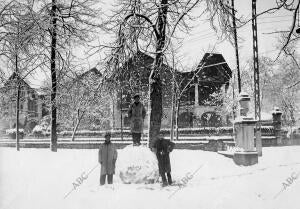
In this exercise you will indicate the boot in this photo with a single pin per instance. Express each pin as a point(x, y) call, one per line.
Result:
point(164, 180)
point(169, 178)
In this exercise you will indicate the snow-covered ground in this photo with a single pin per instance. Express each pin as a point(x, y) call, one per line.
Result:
point(40, 179)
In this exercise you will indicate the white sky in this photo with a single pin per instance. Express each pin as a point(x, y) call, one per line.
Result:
point(202, 38)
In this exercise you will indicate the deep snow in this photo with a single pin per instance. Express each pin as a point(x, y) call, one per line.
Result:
point(40, 179)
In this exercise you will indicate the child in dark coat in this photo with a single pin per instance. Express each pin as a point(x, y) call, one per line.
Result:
point(163, 147)
point(136, 114)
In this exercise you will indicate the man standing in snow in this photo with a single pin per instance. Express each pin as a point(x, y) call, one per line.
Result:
point(136, 115)
point(107, 158)
point(163, 147)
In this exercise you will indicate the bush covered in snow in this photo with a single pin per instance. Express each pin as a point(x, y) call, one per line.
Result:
point(226, 130)
point(202, 131)
point(266, 130)
point(12, 133)
point(43, 128)
point(40, 130)
point(137, 164)
point(100, 133)
point(292, 132)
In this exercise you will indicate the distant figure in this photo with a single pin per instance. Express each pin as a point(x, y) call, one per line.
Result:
point(163, 147)
point(136, 115)
point(107, 158)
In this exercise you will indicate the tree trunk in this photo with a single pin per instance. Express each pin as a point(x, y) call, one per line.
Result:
point(155, 109)
point(155, 84)
point(77, 124)
point(18, 115)
point(121, 114)
point(172, 112)
point(18, 92)
point(293, 120)
point(113, 113)
point(177, 116)
point(53, 35)
point(74, 130)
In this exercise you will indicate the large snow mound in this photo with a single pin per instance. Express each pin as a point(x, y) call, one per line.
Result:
point(137, 164)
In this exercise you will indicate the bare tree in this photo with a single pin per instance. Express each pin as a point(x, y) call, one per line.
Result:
point(62, 26)
point(85, 100)
point(59, 27)
point(149, 27)
point(16, 41)
point(278, 87)
point(221, 12)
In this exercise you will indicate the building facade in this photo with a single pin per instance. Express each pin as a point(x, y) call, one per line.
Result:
point(195, 89)
point(100, 108)
point(31, 105)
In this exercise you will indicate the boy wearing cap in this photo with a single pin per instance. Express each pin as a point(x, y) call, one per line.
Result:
point(107, 157)
point(136, 115)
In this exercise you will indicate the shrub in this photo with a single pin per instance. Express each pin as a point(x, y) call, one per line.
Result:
point(12, 133)
point(40, 131)
point(266, 131)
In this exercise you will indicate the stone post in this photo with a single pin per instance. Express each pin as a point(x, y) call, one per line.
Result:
point(276, 113)
point(245, 153)
point(196, 95)
point(10, 111)
point(39, 108)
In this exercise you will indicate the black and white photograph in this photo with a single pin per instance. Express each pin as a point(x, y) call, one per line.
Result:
point(149, 104)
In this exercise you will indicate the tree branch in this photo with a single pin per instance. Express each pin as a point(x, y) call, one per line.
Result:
point(145, 18)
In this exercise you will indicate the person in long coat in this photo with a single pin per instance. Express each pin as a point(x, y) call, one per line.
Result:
point(163, 147)
point(107, 157)
point(136, 115)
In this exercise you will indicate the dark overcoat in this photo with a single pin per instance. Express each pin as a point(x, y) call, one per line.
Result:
point(136, 115)
point(107, 157)
point(163, 148)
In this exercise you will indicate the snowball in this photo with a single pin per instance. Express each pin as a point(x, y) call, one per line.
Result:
point(137, 164)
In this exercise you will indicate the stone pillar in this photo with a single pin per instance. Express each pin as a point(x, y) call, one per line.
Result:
point(244, 134)
point(39, 108)
point(196, 95)
point(11, 115)
point(27, 97)
point(276, 113)
point(116, 111)
point(245, 153)
point(112, 114)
